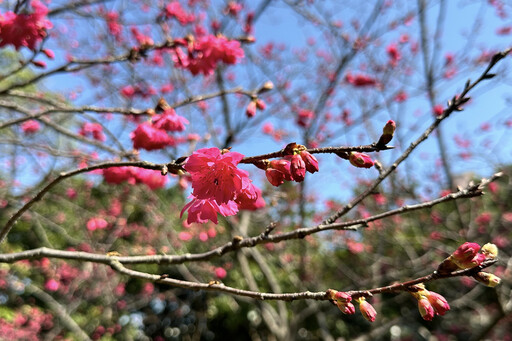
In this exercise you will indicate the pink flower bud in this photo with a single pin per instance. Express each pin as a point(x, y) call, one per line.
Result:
point(367, 310)
point(260, 104)
point(51, 285)
point(220, 273)
point(250, 111)
point(389, 128)
point(30, 127)
point(298, 168)
point(49, 53)
point(466, 252)
point(360, 160)
point(438, 110)
point(39, 63)
point(342, 297)
point(438, 302)
point(310, 160)
point(346, 308)
point(426, 310)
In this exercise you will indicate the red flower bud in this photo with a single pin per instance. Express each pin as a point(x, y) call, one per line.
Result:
point(298, 168)
point(283, 166)
point(278, 171)
point(274, 176)
point(310, 160)
point(360, 160)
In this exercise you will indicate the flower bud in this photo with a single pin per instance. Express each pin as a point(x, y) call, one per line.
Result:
point(260, 104)
point(387, 133)
point(476, 261)
point(487, 279)
point(268, 85)
point(438, 302)
point(466, 252)
point(389, 128)
point(490, 251)
point(274, 176)
point(360, 160)
point(346, 308)
point(250, 111)
point(283, 166)
point(426, 310)
point(310, 160)
point(342, 297)
point(367, 310)
point(298, 168)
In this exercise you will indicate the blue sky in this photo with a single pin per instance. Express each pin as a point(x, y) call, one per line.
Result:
point(280, 24)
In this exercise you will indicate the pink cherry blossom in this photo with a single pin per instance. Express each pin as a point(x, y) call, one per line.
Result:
point(148, 137)
point(151, 178)
point(215, 175)
point(30, 127)
point(169, 121)
point(24, 29)
point(200, 211)
point(96, 224)
point(93, 129)
point(221, 273)
point(204, 54)
point(51, 285)
point(174, 10)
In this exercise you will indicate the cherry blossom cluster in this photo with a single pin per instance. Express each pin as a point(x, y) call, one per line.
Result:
point(219, 186)
point(24, 29)
point(154, 135)
point(203, 54)
point(292, 167)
